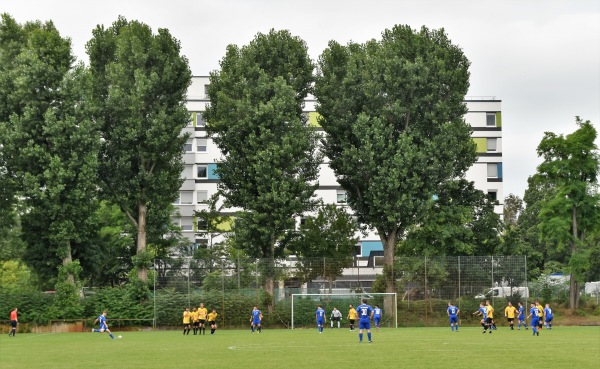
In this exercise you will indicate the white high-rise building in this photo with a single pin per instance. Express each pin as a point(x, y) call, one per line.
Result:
point(202, 157)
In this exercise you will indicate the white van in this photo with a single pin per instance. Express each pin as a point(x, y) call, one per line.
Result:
point(501, 292)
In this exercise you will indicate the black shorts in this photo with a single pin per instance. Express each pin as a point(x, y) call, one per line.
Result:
point(13, 323)
point(185, 325)
point(195, 324)
point(202, 321)
point(351, 321)
point(336, 319)
point(211, 323)
point(510, 320)
point(488, 320)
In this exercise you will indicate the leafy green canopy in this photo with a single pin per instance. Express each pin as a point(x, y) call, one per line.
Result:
point(139, 86)
point(270, 162)
point(571, 164)
point(49, 142)
point(393, 112)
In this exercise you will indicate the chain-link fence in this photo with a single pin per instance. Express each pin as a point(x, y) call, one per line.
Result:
point(424, 285)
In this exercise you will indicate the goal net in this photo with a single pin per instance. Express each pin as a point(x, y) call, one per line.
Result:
point(304, 307)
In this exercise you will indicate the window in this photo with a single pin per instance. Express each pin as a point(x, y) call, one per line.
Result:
point(492, 170)
point(188, 172)
point(491, 144)
point(202, 224)
point(177, 202)
point(206, 91)
point(302, 221)
point(493, 195)
point(490, 119)
point(357, 250)
point(201, 144)
point(202, 171)
point(200, 122)
point(188, 146)
point(187, 224)
point(342, 197)
point(202, 196)
point(201, 243)
point(191, 121)
point(186, 197)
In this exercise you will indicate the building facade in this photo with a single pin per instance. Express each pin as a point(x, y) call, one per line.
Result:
point(202, 156)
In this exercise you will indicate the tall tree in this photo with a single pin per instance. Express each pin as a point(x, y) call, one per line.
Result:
point(139, 84)
point(571, 164)
point(270, 162)
point(49, 144)
point(393, 113)
point(325, 244)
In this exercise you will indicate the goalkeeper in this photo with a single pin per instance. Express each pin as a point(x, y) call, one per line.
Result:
point(336, 316)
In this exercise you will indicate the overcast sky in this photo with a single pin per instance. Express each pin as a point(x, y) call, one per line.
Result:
point(540, 57)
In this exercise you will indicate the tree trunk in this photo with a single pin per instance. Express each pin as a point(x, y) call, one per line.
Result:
point(141, 239)
point(67, 259)
point(572, 283)
point(389, 250)
point(270, 276)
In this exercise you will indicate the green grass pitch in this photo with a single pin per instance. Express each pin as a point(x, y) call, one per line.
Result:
point(561, 347)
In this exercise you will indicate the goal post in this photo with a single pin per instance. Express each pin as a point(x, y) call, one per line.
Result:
point(304, 306)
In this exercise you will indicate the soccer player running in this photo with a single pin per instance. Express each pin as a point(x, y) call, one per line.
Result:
point(483, 312)
point(509, 313)
point(365, 314)
point(103, 325)
point(320, 315)
point(187, 318)
point(534, 313)
point(453, 315)
point(336, 316)
point(490, 315)
point(352, 316)
point(548, 316)
point(255, 320)
point(522, 317)
point(14, 321)
point(202, 313)
point(377, 313)
point(212, 321)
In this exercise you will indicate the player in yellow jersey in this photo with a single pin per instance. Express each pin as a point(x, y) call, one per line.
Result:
point(187, 316)
point(202, 314)
point(212, 321)
point(490, 315)
point(509, 313)
point(194, 315)
point(352, 316)
point(540, 314)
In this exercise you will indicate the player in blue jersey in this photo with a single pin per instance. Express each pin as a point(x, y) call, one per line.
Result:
point(320, 315)
point(377, 313)
point(548, 316)
point(365, 314)
point(453, 315)
point(534, 313)
point(255, 320)
point(483, 312)
point(521, 317)
point(103, 325)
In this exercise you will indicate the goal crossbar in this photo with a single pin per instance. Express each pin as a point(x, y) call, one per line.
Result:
point(359, 296)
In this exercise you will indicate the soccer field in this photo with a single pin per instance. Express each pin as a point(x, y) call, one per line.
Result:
point(562, 347)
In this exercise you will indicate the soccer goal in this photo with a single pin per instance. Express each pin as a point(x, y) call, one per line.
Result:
point(304, 307)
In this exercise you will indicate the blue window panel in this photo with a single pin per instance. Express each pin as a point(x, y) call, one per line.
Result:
point(500, 170)
point(211, 171)
point(368, 246)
